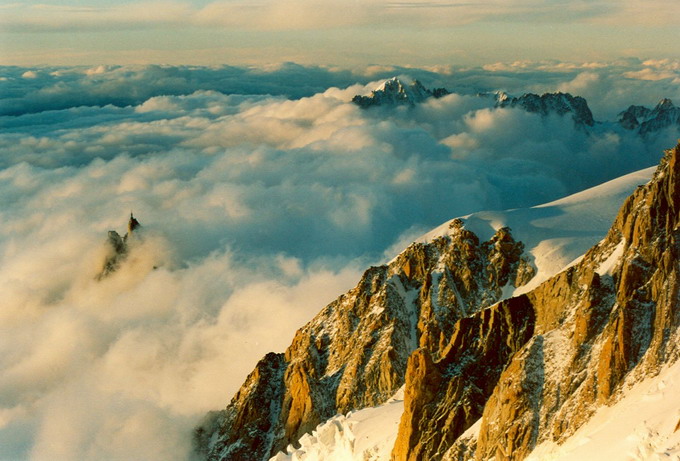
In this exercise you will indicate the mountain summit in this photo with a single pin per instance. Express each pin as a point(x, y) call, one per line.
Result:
point(395, 92)
point(646, 121)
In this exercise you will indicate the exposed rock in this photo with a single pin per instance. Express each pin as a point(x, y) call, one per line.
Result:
point(613, 317)
point(528, 369)
point(354, 353)
point(442, 399)
point(395, 92)
point(118, 248)
point(551, 103)
point(647, 121)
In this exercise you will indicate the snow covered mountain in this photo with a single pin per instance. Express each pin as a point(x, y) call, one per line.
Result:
point(484, 374)
point(395, 92)
point(642, 120)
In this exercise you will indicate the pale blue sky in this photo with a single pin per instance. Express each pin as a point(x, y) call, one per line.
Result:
point(346, 33)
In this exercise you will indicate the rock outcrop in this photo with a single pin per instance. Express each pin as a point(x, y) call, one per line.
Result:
point(354, 353)
point(611, 318)
point(118, 248)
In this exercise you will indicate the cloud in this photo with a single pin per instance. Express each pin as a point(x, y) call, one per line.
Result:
point(262, 194)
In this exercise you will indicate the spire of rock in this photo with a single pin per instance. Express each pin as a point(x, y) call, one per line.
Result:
point(118, 248)
point(132, 224)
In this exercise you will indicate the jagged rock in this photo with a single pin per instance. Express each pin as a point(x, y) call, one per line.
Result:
point(255, 409)
point(647, 121)
point(354, 353)
point(118, 249)
point(557, 103)
point(442, 399)
point(612, 317)
point(395, 92)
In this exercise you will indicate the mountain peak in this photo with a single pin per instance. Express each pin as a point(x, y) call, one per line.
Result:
point(665, 104)
point(118, 248)
point(394, 91)
point(557, 103)
point(664, 115)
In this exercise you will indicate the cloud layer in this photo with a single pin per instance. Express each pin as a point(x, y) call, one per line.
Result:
point(262, 194)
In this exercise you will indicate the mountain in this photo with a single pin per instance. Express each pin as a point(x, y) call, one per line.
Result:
point(555, 234)
point(436, 319)
point(353, 354)
point(118, 248)
point(551, 103)
point(563, 349)
point(646, 121)
point(395, 92)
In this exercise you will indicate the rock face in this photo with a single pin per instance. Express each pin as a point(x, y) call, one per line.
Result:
point(569, 346)
point(354, 353)
point(118, 248)
point(647, 121)
point(551, 103)
point(395, 92)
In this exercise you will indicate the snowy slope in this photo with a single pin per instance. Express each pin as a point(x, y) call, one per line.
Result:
point(559, 232)
point(642, 426)
point(364, 435)
point(555, 234)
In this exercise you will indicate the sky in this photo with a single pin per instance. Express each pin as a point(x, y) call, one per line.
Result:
point(333, 32)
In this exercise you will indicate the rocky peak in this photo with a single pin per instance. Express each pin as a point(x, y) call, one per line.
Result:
point(118, 248)
point(664, 104)
point(354, 353)
point(646, 121)
point(395, 92)
point(535, 368)
point(551, 103)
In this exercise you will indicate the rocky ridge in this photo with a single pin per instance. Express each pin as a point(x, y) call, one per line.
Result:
point(645, 121)
point(354, 353)
point(611, 318)
point(551, 103)
point(528, 369)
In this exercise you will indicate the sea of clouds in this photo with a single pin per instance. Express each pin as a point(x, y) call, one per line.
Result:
point(263, 193)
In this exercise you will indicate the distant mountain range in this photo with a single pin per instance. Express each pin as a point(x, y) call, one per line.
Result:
point(395, 92)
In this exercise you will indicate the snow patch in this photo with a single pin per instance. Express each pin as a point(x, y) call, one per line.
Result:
point(607, 267)
point(641, 426)
point(364, 435)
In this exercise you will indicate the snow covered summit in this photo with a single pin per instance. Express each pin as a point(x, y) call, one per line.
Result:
point(395, 92)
